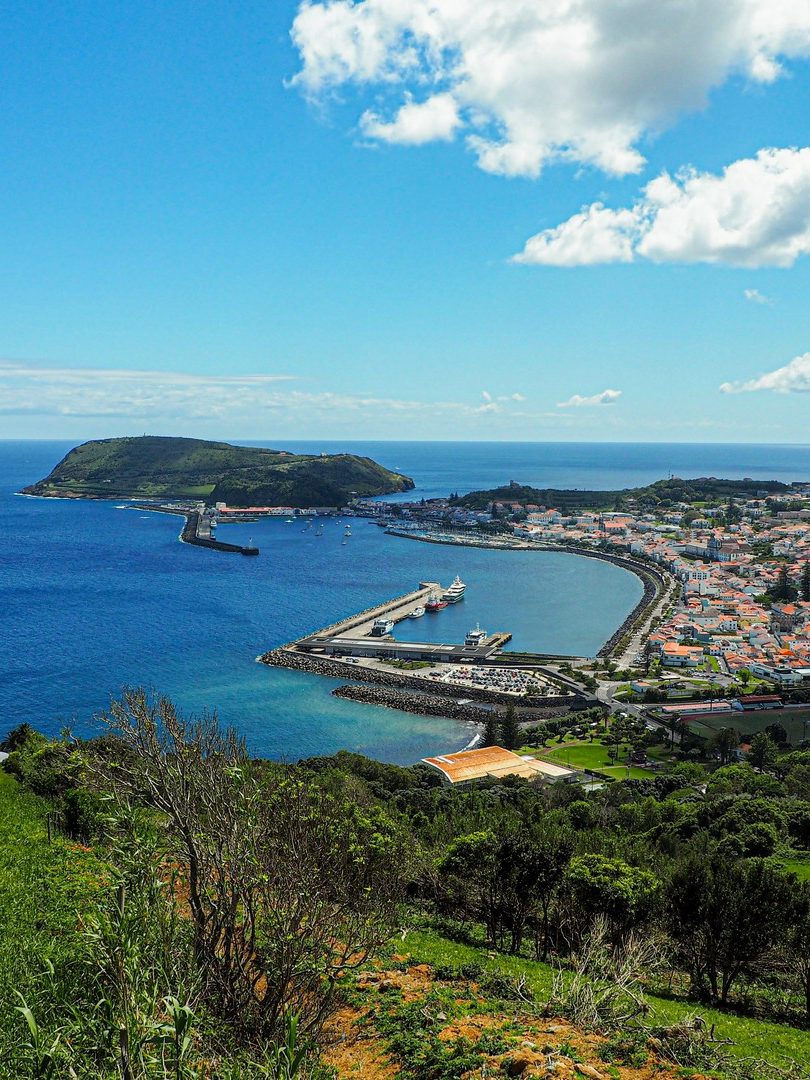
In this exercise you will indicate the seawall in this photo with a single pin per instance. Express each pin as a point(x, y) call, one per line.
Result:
point(318, 665)
point(434, 705)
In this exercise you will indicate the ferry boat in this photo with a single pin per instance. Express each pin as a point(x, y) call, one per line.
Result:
point(381, 627)
point(417, 613)
point(455, 592)
point(476, 636)
point(435, 603)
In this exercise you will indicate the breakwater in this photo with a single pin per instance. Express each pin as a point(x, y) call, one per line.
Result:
point(435, 705)
point(287, 657)
point(191, 535)
point(194, 531)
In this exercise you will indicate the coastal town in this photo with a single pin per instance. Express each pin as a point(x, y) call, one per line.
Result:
point(732, 634)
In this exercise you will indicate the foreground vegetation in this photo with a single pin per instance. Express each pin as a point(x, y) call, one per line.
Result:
point(198, 914)
point(150, 466)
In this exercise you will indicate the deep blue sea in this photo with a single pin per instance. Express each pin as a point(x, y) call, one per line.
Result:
point(93, 597)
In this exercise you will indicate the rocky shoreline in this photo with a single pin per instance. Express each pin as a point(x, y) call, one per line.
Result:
point(335, 669)
point(435, 705)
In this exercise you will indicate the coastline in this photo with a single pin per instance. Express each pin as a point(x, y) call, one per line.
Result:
point(656, 581)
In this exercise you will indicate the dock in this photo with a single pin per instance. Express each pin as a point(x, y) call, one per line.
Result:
point(353, 636)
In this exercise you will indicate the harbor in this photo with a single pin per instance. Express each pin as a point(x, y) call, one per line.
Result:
point(363, 647)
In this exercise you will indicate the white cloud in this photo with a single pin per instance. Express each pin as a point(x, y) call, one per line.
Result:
point(533, 81)
point(755, 213)
point(415, 122)
point(756, 297)
point(41, 390)
point(793, 378)
point(607, 397)
point(596, 235)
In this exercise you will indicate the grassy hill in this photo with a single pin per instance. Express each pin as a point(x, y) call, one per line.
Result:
point(660, 494)
point(154, 467)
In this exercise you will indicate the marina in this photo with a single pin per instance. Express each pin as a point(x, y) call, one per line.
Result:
point(369, 634)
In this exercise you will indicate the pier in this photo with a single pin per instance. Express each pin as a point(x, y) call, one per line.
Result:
point(471, 672)
point(354, 636)
point(197, 529)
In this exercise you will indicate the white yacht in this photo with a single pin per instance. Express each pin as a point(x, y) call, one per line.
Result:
point(477, 636)
point(417, 613)
point(455, 592)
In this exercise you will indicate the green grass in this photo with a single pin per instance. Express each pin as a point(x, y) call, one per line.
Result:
point(792, 720)
point(778, 1044)
point(44, 888)
point(594, 756)
point(799, 867)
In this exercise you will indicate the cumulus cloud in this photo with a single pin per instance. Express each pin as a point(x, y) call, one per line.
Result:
point(755, 213)
point(793, 378)
point(756, 297)
point(415, 122)
point(533, 81)
point(576, 401)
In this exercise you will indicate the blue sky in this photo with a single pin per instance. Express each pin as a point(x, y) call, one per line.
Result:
point(211, 228)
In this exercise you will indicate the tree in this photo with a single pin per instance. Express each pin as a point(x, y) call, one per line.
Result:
point(623, 894)
point(784, 589)
point(510, 731)
point(763, 752)
point(725, 742)
point(804, 584)
point(469, 871)
point(796, 952)
point(726, 915)
point(491, 730)
point(287, 886)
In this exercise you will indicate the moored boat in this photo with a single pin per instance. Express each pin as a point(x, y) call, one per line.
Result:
point(435, 603)
point(454, 592)
point(417, 613)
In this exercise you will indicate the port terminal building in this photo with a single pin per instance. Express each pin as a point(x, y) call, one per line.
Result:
point(386, 648)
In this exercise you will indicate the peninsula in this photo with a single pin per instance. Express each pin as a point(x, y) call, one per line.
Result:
point(155, 467)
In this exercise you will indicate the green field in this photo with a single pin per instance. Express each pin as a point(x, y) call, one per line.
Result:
point(594, 756)
point(747, 723)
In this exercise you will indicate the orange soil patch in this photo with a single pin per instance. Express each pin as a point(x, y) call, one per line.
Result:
point(356, 1050)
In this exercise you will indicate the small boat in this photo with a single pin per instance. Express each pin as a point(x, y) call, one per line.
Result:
point(381, 627)
point(417, 613)
point(455, 592)
point(476, 636)
point(289, 521)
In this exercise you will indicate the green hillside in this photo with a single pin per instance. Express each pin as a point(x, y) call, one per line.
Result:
point(155, 467)
point(661, 494)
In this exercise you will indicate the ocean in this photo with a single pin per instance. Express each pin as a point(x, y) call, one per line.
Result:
point(95, 597)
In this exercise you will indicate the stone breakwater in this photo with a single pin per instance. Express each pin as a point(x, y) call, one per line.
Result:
point(434, 705)
point(335, 669)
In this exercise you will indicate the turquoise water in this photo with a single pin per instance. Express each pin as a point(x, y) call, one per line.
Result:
point(94, 598)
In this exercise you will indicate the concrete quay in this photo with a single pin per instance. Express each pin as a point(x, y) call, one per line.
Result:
point(360, 625)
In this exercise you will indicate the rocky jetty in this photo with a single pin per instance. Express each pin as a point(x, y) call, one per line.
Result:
point(336, 669)
point(436, 705)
